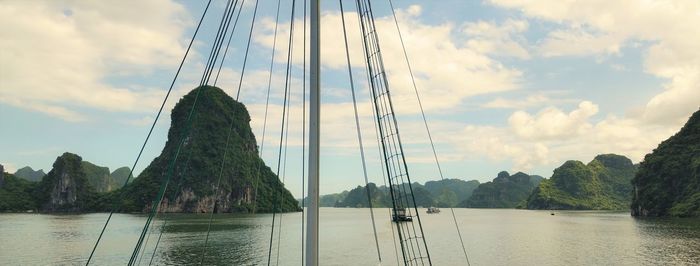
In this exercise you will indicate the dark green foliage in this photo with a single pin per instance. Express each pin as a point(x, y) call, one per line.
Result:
point(603, 184)
point(16, 194)
point(199, 164)
point(450, 192)
point(668, 181)
point(29, 174)
point(505, 191)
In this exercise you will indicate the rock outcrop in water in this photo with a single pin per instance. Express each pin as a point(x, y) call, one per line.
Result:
point(668, 181)
point(505, 191)
point(602, 184)
point(247, 184)
point(66, 187)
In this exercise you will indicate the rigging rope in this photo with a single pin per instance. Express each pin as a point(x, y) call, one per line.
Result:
point(284, 113)
point(303, 138)
point(228, 44)
point(359, 133)
point(117, 204)
point(425, 123)
point(226, 146)
point(267, 104)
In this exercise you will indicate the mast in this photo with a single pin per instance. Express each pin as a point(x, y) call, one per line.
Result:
point(314, 136)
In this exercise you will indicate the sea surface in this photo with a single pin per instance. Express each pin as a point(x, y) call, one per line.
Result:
point(492, 237)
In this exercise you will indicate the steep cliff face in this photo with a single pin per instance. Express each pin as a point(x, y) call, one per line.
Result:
point(603, 184)
point(668, 181)
point(246, 183)
point(505, 191)
point(65, 187)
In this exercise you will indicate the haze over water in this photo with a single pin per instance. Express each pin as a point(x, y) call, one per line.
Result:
point(492, 236)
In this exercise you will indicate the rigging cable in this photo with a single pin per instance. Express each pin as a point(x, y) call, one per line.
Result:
point(359, 133)
point(117, 204)
point(267, 104)
point(223, 26)
point(284, 112)
point(226, 146)
point(228, 44)
point(425, 123)
point(303, 137)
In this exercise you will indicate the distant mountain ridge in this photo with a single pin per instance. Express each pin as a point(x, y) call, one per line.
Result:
point(29, 174)
point(441, 193)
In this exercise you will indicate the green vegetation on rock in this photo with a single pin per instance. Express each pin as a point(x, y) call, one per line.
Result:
point(668, 181)
point(120, 175)
point(603, 184)
point(505, 191)
point(99, 177)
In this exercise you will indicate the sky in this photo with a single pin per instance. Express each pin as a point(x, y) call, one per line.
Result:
point(515, 85)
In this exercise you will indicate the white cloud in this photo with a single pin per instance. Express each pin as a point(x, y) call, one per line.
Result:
point(529, 101)
point(499, 144)
point(504, 39)
point(56, 55)
point(579, 42)
point(552, 123)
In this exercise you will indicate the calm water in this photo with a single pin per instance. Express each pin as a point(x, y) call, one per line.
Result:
point(493, 237)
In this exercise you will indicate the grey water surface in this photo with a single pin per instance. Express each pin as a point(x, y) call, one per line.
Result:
point(492, 237)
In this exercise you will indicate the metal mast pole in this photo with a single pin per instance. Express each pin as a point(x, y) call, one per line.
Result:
point(314, 136)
